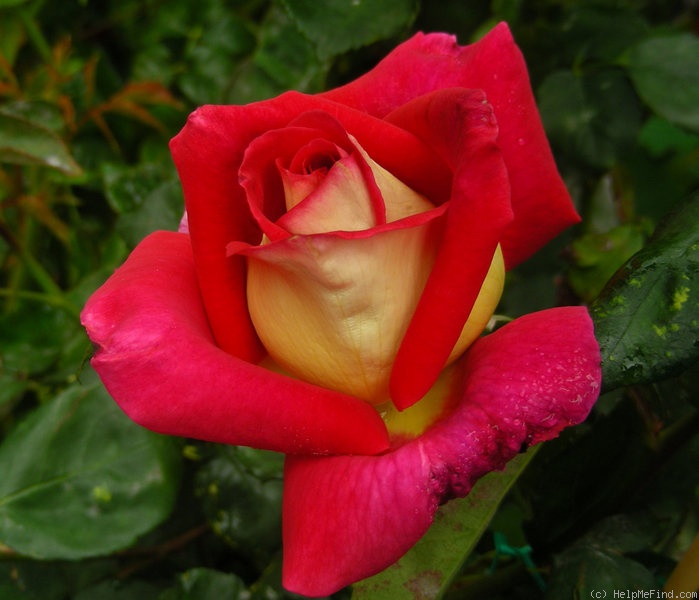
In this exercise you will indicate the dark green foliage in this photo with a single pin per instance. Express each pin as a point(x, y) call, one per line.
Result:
point(94, 508)
point(646, 319)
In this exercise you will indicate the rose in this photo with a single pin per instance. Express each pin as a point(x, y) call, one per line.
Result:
point(361, 231)
point(336, 279)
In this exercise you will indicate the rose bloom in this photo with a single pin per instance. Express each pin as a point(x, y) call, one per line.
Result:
point(325, 297)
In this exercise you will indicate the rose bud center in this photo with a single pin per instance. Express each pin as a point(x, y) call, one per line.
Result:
point(332, 302)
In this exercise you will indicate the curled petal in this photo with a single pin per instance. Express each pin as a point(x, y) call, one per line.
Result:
point(341, 203)
point(460, 126)
point(348, 517)
point(494, 64)
point(158, 360)
point(209, 152)
point(206, 155)
point(259, 174)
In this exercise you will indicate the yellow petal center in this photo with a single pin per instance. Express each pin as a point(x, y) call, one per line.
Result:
point(333, 309)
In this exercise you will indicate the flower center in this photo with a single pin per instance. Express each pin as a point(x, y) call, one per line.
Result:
point(332, 302)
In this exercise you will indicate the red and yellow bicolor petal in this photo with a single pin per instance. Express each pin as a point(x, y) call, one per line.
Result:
point(494, 64)
point(348, 517)
point(332, 289)
point(460, 127)
point(209, 153)
point(157, 358)
point(332, 309)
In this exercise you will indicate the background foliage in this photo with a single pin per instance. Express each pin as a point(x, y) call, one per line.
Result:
point(93, 507)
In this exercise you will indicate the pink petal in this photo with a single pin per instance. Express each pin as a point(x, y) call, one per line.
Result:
point(494, 64)
point(348, 517)
point(459, 125)
point(158, 360)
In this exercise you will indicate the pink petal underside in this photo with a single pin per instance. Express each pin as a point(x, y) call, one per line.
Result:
point(347, 517)
point(157, 358)
point(459, 125)
point(494, 64)
point(208, 153)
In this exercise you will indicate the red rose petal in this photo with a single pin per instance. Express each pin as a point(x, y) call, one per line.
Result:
point(346, 518)
point(207, 159)
point(459, 125)
point(158, 360)
point(495, 65)
point(208, 153)
point(259, 171)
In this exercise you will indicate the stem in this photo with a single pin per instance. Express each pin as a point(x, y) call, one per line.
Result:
point(40, 274)
point(679, 433)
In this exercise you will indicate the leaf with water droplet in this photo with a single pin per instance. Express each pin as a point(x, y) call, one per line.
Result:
point(647, 317)
point(80, 479)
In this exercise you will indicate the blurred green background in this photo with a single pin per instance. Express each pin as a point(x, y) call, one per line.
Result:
point(93, 507)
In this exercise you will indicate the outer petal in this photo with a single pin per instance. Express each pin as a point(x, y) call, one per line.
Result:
point(346, 518)
point(158, 360)
point(460, 126)
point(494, 64)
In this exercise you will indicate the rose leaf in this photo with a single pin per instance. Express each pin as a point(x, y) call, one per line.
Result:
point(80, 479)
point(647, 317)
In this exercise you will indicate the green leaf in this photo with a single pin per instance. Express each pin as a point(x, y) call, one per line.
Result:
point(337, 26)
point(11, 387)
point(50, 580)
point(241, 493)
point(206, 584)
point(597, 256)
point(585, 570)
point(430, 566)
point(664, 71)
point(647, 317)
point(601, 32)
point(25, 142)
point(286, 56)
point(594, 117)
point(40, 112)
point(212, 60)
point(13, 34)
point(80, 479)
point(34, 338)
point(146, 197)
point(660, 137)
